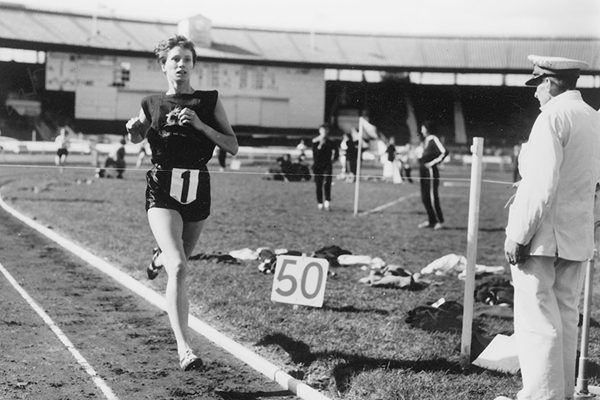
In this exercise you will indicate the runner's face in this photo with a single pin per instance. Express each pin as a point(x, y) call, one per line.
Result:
point(179, 64)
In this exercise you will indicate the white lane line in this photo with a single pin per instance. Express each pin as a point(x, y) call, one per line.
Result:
point(254, 360)
point(108, 393)
point(391, 203)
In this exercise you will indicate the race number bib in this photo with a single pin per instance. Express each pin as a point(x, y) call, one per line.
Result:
point(184, 185)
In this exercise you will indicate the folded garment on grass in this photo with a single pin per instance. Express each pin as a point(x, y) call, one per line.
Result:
point(495, 291)
point(246, 254)
point(454, 263)
point(393, 276)
point(268, 258)
point(331, 254)
point(335, 255)
point(446, 316)
point(363, 261)
point(219, 257)
point(500, 355)
point(442, 316)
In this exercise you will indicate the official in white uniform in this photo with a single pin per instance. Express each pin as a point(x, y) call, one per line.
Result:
point(550, 231)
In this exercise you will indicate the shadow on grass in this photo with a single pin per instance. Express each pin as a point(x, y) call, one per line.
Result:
point(233, 395)
point(68, 200)
point(464, 229)
point(352, 309)
point(352, 364)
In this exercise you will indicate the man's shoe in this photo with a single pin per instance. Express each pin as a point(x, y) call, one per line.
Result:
point(424, 225)
point(153, 269)
point(438, 226)
point(190, 361)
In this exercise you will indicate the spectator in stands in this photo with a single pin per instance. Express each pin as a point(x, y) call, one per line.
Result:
point(433, 153)
point(325, 153)
point(62, 149)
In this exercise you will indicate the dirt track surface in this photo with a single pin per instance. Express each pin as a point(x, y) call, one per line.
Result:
point(125, 339)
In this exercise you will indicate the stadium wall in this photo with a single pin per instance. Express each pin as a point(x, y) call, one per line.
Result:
point(111, 88)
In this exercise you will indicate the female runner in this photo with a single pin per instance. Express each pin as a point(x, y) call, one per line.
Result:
point(182, 126)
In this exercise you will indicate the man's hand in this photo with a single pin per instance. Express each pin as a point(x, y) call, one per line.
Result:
point(514, 252)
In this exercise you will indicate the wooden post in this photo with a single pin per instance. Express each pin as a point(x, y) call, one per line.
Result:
point(473, 228)
point(581, 388)
point(358, 164)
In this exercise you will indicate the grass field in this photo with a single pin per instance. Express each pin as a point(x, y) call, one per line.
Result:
point(358, 345)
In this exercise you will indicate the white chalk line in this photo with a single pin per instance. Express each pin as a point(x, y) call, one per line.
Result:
point(98, 381)
point(387, 205)
point(255, 361)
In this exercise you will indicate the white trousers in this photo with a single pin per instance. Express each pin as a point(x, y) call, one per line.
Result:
point(547, 293)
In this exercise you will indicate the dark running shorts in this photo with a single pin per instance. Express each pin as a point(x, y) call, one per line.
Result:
point(163, 186)
point(62, 152)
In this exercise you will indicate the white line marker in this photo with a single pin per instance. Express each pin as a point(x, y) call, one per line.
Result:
point(255, 361)
point(108, 393)
point(391, 203)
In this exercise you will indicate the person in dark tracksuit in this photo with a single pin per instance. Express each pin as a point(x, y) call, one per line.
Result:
point(434, 153)
point(325, 153)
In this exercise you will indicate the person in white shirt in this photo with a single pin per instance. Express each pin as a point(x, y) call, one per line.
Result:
point(62, 149)
point(550, 231)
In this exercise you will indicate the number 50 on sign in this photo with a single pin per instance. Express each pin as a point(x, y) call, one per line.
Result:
point(300, 280)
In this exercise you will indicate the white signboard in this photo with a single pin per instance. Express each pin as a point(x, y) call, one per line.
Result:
point(300, 280)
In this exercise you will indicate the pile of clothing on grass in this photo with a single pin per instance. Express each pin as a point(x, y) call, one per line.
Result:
point(454, 263)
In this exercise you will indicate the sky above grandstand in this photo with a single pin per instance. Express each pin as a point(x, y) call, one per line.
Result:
point(419, 17)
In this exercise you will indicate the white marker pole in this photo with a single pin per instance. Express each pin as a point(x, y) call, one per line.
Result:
point(473, 228)
point(358, 162)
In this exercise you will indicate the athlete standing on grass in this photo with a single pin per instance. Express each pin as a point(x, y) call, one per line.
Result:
point(182, 127)
point(62, 150)
point(325, 153)
point(433, 154)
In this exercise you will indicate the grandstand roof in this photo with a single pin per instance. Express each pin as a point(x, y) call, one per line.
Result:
point(45, 30)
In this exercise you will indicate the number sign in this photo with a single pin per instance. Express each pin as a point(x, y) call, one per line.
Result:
point(300, 280)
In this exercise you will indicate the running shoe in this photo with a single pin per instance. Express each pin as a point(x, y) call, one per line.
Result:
point(153, 269)
point(190, 361)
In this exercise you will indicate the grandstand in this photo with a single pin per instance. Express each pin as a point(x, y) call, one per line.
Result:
point(90, 71)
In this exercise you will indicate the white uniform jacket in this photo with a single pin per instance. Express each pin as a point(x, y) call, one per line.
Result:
point(553, 209)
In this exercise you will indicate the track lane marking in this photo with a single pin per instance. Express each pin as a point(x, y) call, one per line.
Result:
point(391, 203)
point(242, 353)
point(98, 381)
